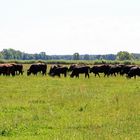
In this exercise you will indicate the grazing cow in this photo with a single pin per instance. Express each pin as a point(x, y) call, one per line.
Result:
point(114, 70)
point(7, 69)
point(58, 70)
point(37, 67)
point(125, 69)
point(96, 69)
point(3, 69)
point(80, 70)
point(72, 67)
point(133, 72)
point(18, 68)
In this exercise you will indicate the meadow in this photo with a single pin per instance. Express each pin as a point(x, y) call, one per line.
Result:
point(42, 107)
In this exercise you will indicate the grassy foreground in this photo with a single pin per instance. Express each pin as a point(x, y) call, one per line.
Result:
point(39, 107)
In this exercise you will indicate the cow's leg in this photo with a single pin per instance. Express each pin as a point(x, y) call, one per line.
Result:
point(98, 74)
point(78, 75)
point(44, 73)
point(65, 74)
point(108, 75)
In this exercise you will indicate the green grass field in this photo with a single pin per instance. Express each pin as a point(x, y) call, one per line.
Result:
point(41, 107)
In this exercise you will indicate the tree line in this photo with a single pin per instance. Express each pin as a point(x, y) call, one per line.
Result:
point(11, 54)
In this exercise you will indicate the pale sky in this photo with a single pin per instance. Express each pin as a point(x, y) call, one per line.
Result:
point(69, 26)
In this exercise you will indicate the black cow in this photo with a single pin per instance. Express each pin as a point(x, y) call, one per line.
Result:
point(72, 67)
point(3, 69)
point(7, 69)
point(114, 70)
point(37, 67)
point(96, 69)
point(133, 72)
point(58, 70)
point(80, 70)
point(125, 69)
point(18, 68)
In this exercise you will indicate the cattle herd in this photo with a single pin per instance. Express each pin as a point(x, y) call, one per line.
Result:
point(11, 69)
point(73, 70)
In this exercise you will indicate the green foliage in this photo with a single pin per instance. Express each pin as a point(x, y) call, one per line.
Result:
point(41, 107)
point(68, 62)
point(124, 55)
point(11, 54)
point(86, 57)
point(129, 62)
point(76, 56)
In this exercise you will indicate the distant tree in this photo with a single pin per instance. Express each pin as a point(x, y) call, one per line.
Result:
point(8, 53)
point(1, 56)
point(76, 56)
point(15, 54)
point(86, 57)
point(98, 57)
point(110, 57)
point(124, 55)
point(42, 55)
point(136, 56)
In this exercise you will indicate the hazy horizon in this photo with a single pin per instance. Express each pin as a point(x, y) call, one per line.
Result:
point(65, 27)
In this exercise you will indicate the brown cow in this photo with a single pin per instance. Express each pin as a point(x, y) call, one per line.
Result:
point(7, 69)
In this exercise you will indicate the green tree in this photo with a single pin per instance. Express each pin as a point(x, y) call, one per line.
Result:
point(1, 56)
point(124, 55)
point(7, 53)
point(42, 55)
point(86, 57)
point(76, 56)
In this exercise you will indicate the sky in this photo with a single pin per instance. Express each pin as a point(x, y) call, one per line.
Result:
point(69, 26)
